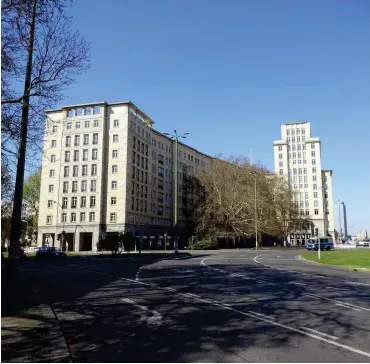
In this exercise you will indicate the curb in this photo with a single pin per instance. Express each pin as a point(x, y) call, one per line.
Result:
point(334, 266)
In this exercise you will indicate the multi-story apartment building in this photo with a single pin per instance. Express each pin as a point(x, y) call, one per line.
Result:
point(105, 170)
point(298, 157)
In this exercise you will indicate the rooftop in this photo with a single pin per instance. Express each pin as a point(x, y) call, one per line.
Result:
point(296, 122)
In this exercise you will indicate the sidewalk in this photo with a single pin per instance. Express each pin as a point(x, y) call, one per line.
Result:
point(29, 330)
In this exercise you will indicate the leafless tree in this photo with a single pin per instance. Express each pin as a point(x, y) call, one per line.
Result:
point(41, 56)
point(240, 197)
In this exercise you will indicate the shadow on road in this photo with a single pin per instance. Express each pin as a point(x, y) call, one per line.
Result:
point(100, 324)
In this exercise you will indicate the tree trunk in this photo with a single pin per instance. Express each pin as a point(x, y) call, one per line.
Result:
point(15, 232)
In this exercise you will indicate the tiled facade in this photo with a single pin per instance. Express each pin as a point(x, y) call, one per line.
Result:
point(105, 169)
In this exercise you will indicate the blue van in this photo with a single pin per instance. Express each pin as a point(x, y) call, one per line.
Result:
point(326, 243)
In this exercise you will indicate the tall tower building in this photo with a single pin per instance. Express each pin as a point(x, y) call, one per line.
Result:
point(298, 157)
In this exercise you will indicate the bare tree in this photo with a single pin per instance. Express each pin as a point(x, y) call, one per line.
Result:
point(43, 54)
point(240, 197)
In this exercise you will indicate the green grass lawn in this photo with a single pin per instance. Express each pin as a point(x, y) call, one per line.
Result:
point(345, 258)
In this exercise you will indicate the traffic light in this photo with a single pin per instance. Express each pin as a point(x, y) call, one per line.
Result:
point(316, 232)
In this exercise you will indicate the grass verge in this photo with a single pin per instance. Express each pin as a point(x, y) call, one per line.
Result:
point(342, 258)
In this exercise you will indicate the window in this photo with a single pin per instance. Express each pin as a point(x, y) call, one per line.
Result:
point(312, 154)
point(113, 200)
point(83, 201)
point(114, 168)
point(280, 164)
point(95, 138)
point(94, 169)
point(298, 139)
point(115, 138)
point(293, 138)
point(70, 113)
point(96, 123)
point(92, 216)
point(74, 202)
point(315, 194)
point(115, 123)
point(49, 219)
point(94, 154)
point(53, 143)
point(316, 211)
point(314, 178)
point(52, 173)
point(67, 156)
point(66, 171)
point(288, 132)
point(312, 145)
point(75, 171)
point(73, 217)
point(133, 172)
point(84, 170)
point(83, 186)
point(69, 126)
point(316, 203)
point(281, 172)
point(74, 186)
point(93, 186)
point(114, 153)
point(92, 201)
point(113, 217)
point(77, 141)
point(313, 161)
point(55, 129)
point(315, 186)
point(78, 124)
point(52, 158)
point(87, 122)
point(50, 203)
point(76, 155)
point(64, 202)
point(86, 139)
point(68, 141)
point(82, 216)
point(51, 188)
point(65, 187)
point(280, 148)
point(114, 185)
point(134, 142)
point(64, 217)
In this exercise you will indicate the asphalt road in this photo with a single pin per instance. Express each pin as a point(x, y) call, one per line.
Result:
point(229, 306)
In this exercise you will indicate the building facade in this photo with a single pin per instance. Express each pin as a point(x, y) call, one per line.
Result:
point(297, 156)
point(105, 169)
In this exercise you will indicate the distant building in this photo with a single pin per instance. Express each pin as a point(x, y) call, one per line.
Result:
point(298, 157)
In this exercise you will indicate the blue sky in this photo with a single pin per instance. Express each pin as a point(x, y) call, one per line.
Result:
point(230, 72)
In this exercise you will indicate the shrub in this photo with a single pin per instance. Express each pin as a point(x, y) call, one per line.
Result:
point(205, 244)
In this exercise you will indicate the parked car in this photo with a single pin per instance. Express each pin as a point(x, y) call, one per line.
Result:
point(326, 243)
point(48, 252)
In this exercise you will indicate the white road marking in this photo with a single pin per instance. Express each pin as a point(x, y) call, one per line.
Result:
point(249, 314)
point(306, 274)
point(262, 315)
point(156, 317)
point(320, 333)
point(349, 305)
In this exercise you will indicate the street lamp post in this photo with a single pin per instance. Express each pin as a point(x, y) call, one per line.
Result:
point(255, 211)
point(175, 138)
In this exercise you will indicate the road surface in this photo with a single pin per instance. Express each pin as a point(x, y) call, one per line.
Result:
point(229, 306)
